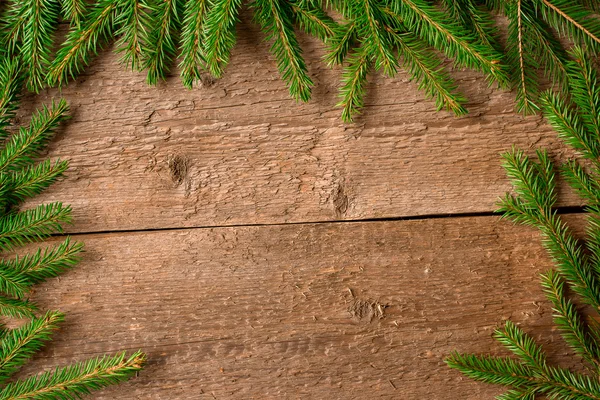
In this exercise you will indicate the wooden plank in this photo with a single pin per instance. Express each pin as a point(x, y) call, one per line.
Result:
point(240, 151)
point(344, 310)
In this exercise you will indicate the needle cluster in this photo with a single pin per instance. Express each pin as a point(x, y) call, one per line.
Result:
point(366, 36)
point(577, 272)
point(23, 177)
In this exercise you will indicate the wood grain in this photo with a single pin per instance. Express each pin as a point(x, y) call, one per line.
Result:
point(240, 151)
point(311, 311)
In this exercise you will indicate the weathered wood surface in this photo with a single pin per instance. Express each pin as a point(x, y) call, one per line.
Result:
point(240, 151)
point(312, 311)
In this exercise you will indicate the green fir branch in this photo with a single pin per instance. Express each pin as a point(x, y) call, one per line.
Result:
point(18, 229)
point(22, 178)
point(10, 88)
point(76, 380)
point(161, 45)
point(82, 42)
point(133, 25)
point(275, 17)
point(193, 62)
point(577, 271)
point(73, 11)
point(28, 142)
point(219, 34)
point(19, 344)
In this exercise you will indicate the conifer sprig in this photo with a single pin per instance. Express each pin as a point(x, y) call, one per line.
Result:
point(577, 263)
point(23, 177)
point(370, 35)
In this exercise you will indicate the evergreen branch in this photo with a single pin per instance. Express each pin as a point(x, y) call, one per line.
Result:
point(191, 42)
point(76, 380)
point(81, 42)
point(21, 343)
point(340, 44)
point(494, 370)
point(28, 142)
point(536, 191)
point(32, 225)
point(375, 41)
point(219, 34)
point(10, 87)
point(354, 80)
point(474, 18)
point(567, 318)
point(275, 17)
point(74, 11)
point(313, 20)
point(13, 283)
point(547, 51)
point(570, 127)
point(582, 182)
point(574, 20)
point(426, 69)
point(523, 346)
point(522, 61)
point(134, 24)
point(20, 179)
point(433, 27)
point(16, 308)
point(37, 39)
point(33, 180)
point(45, 264)
point(585, 92)
point(161, 46)
point(12, 27)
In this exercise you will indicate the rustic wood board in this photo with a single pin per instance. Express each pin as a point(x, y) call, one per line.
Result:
point(334, 310)
point(240, 151)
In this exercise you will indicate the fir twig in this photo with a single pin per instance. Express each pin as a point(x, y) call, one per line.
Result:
point(577, 264)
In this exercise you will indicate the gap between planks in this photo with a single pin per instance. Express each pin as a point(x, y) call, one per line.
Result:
point(566, 210)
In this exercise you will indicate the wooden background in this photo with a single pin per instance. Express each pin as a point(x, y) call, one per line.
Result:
point(257, 248)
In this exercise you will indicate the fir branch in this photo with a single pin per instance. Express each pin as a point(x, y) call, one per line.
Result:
point(340, 44)
point(354, 79)
point(28, 142)
point(82, 41)
point(578, 266)
point(567, 318)
point(134, 24)
point(20, 179)
point(219, 34)
point(74, 11)
point(47, 263)
point(570, 126)
point(275, 17)
point(76, 380)
point(573, 20)
point(10, 88)
point(494, 370)
point(12, 27)
point(314, 20)
point(426, 69)
point(473, 17)
point(368, 18)
point(585, 93)
point(13, 283)
point(522, 59)
point(20, 344)
point(37, 39)
point(15, 308)
point(17, 229)
point(33, 180)
point(449, 37)
point(161, 45)
point(191, 42)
